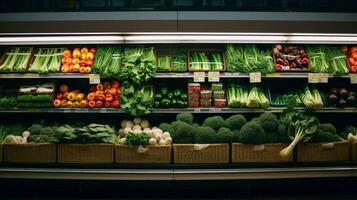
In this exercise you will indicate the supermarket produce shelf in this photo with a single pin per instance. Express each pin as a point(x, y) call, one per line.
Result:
point(174, 110)
point(177, 174)
point(159, 75)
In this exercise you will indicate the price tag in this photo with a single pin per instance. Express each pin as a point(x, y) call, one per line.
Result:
point(255, 77)
point(27, 76)
point(323, 77)
point(217, 109)
point(94, 78)
point(103, 110)
point(276, 110)
point(199, 77)
point(274, 75)
point(213, 76)
point(353, 78)
point(8, 76)
point(313, 78)
point(196, 110)
point(85, 110)
point(348, 110)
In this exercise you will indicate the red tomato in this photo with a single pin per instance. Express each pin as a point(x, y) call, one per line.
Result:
point(93, 50)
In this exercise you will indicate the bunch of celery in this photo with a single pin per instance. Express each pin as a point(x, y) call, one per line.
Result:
point(200, 61)
point(311, 98)
point(164, 63)
point(47, 60)
point(338, 61)
point(16, 60)
point(108, 61)
point(238, 96)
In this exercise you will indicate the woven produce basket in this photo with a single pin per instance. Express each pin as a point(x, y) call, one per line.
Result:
point(85, 153)
point(213, 153)
point(151, 154)
point(354, 151)
point(265, 153)
point(29, 153)
point(310, 152)
point(1, 152)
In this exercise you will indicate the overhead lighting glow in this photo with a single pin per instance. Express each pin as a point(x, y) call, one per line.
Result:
point(35, 40)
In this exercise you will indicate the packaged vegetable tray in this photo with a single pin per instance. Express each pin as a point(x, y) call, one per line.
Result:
point(206, 60)
point(30, 153)
point(16, 59)
point(289, 58)
point(201, 153)
point(85, 153)
point(264, 153)
point(320, 152)
point(147, 155)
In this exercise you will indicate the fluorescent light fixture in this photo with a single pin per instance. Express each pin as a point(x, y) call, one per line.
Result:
point(153, 38)
point(36, 40)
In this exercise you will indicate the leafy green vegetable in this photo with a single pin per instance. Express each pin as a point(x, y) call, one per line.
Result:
point(8, 102)
point(178, 63)
point(135, 140)
point(248, 58)
point(47, 60)
point(16, 60)
point(108, 62)
point(139, 65)
point(136, 100)
point(164, 63)
point(301, 127)
point(34, 98)
point(201, 61)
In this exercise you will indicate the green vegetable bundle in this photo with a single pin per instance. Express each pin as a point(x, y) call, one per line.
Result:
point(135, 140)
point(40, 133)
point(311, 98)
point(108, 62)
point(26, 98)
point(93, 133)
point(248, 58)
point(47, 60)
point(238, 96)
point(139, 65)
point(164, 63)
point(178, 63)
point(136, 100)
point(8, 102)
point(327, 60)
point(201, 61)
point(16, 60)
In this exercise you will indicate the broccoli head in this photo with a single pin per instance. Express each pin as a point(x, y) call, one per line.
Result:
point(347, 130)
point(225, 135)
point(252, 133)
point(165, 127)
point(215, 122)
point(47, 131)
point(272, 137)
point(236, 136)
point(236, 121)
point(325, 133)
point(35, 129)
point(328, 127)
point(321, 136)
point(185, 117)
point(182, 132)
point(269, 122)
point(205, 135)
point(283, 134)
point(195, 125)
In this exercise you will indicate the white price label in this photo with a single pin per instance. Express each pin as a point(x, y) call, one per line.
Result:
point(255, 77)
point(323, 77)
point(213, 76)
point(94, 78)
point(313, 78)
point(353, 78)
point(199, 77)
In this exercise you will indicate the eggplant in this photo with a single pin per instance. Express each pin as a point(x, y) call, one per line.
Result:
point(334, 91)
point(332, 98)
point(343, 92)
point(342, 103)
point(351, 100)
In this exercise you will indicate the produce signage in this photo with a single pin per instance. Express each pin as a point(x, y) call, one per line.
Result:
point(213, 76)
point(353, 78)
point(199, 77)
point(318, 77)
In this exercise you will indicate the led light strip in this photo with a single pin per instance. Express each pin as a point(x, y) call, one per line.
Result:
point(152, 38)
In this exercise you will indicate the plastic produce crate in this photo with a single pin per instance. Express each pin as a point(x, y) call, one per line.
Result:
point(213, 153)
point(265, 153)
point(29, 153)
point(154, 154)
point(320, 152)
point(85, 153)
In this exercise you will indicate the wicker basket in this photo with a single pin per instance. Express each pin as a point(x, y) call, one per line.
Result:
point(309, 152)
point(85, 153)
point(154, 154)
point(354, 151)
point(0, 152)
point(243, 153)
point(214, 153)
point(29, 153)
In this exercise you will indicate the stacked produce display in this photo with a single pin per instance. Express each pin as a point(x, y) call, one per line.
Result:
point(129, 85)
